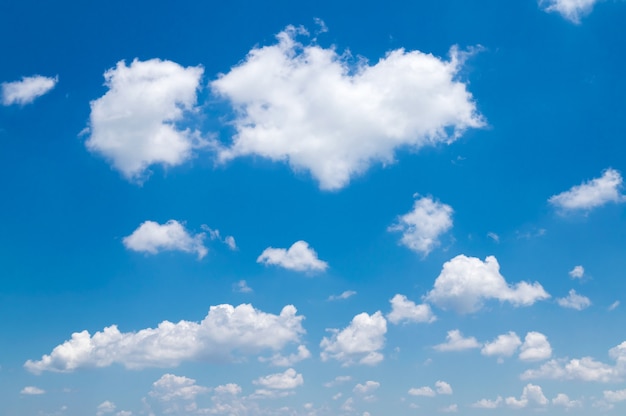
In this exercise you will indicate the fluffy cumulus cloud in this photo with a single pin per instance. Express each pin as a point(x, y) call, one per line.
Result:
point(422, 226)
point(299, 257)
point(577, 272)
point(105, 407)
point(574, 301)
point(404, 310)
point(313, 108)
point(466, 282)
point(152, 237)
point(572, 10)
point(366, 388)
point(289, 379)
point(456, 342)
point(32, 391)
point(361, 341)
point(504, 345)
point(564, 401)
point(27, 89)
point(591, 194)
point(442, 387)
point(422, 391)
point(535, 347)
point(225, 332)
point(531, 394)
point(134, 124)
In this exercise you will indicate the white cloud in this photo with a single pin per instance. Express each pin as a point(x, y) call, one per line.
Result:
point(281, 381)
point(456, 342)
point(280, 360)
point(225, 332)
point(577, 272)
point(152, 237)
point(422, 391)
point(170, 388)
point(362, 340)
point(504, 345)
point(574, 301)
point(531, 394)
point(27, 90)
point(366, 388)
point(310, 107)
point(345, 295)
point(442, 387)
point(614, 305)
point(422, 226)
point(242, 287)
point(105, 407)
point(453, 408)
point(591, 194)
point(466, 282)
point(571, 10)
point(563, 400)
point(32, 391)
point(487, 404)
point(134, 124)
point(405, 310)
point(229, 240)
point(615, 396)
point(535, 347)
point(495, 237)
point(230, 388)
point(338, 380)
point(299, 257)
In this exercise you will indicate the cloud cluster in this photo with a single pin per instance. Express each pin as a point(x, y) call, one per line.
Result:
point(134, 124)
point(27, 89)
point(299, 257)
point(466, 282)
point(223, 333)
point(571, 10)
point(152, 237)
point(591, 194)
point(422, 226)
point(311, 107)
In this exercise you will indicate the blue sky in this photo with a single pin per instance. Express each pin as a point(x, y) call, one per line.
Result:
point(312, 209)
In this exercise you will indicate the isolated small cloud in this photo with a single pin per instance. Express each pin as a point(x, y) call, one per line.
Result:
point(488, 404)
point(366, 388)
point(614, 305)
point(287, 380)
point(564, 401)
point(171, 387)
point(242, 287)
point(360, 342)
point(574, 301)
point(320, 112)
point(105, 407)
point(27, 89)
point(442, 387)
point(404, 310)
point(134, 125)
point(571, 10)
point(338, 380)
point(299, 257)
point(465, 283)
point(591, 194)
point(531, 395)
point(422, 391)
point(152, 237)
point(453, 408)
point(535, 347)
point(344, 295)
point(32, 391)
point(422, 227)
point(577, 272)
point(229, 240)
point(280, 360)
point(456, 342)
point(504, 345)
point(495, 237)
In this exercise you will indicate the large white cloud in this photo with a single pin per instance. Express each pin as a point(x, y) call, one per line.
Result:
point(311, 107)
point(134, 125)
point(362, 341)
point(404, 310)
point(456, 342)
point(504, 345)
point(572, 10)
point(535, 347)
point(27, 89)
point(289, 379)
point(299, 257)
point(574, 301)
point(422, 226)
point(466, 282)
point(152, 237)
point(223, 334)
point(591, 194)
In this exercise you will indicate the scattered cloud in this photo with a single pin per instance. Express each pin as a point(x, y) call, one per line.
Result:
point(404, 310)
point(338, 380)
point(504, 345)
point(614, 396)
point(495, 237)
point(442, 387)
point(152, 237)
point(571, 10)
point(422, 391)
point(105, 407)
point(359, 115)
point(32, 391)
point(27, 90)
point(456, 342)
point(563, 400)
point(453, 408)
point(422, 226)
point(134, 125)
point(535, 347)
point(577, 272)
point(487, 404)
point(225, 332)
point(229, 240)
point(366, 388)
point(362, 341)
point(299, 257)
point(466, 282)
point(287, 380)
point(242, 287)
point(280, 360)
point(574, 301)
point(531, 394)
point(345, 295)
point(591, 194)
point(614, 305)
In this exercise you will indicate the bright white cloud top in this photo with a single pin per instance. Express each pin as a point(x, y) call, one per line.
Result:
point(361, 341)
point(535, 347)
point(171, 387)
point(27, 90)
point(504, 345)
point(465, 283)
point(134, 125)
point(422, 226)
point(571, 10)
point(455, 341)
point(405, 310)
point(289, 379)
point(591, 194)
point(225, 332)
point(299, 257)
point(32, 391)
point(152, 237)
point(311, 107)
point(574, 301)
